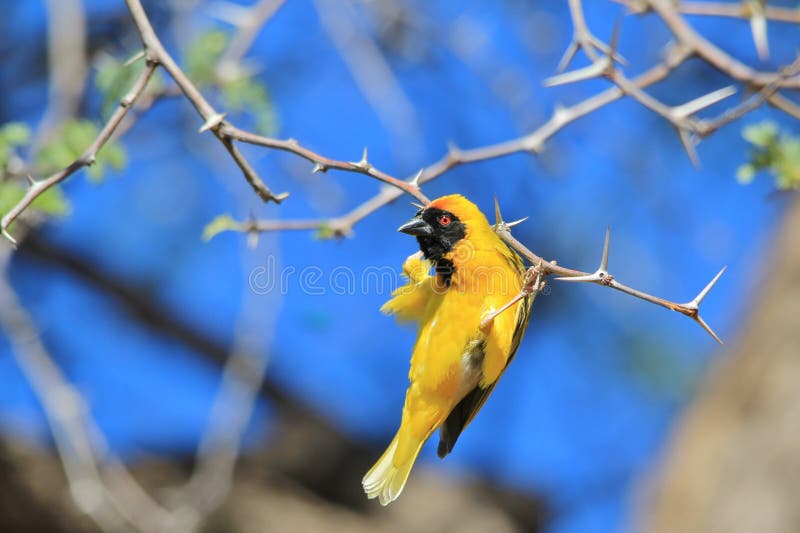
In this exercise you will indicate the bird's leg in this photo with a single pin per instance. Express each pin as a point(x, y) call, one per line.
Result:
point(532, 285)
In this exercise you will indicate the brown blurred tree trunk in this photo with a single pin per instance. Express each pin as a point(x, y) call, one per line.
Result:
point(734, 461)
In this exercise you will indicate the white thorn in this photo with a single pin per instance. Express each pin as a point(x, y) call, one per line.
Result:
point(705, 326)
point(566, 59)
point(604, 260)
point(516, 222)
point(694, 304)
point(498, 217)
point(596, 69)
point(688, 145)
point(319, 167)
point(134, 58)
point(418, 206)
point(758, 27)
point(415, 180)
point(588, 278)
point(707, 100)
point(212, 122)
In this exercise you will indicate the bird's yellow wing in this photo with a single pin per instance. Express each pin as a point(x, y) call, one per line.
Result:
point(499, 348)
point(408, 302)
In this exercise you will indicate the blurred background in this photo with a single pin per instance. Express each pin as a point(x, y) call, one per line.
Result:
point(151, 379)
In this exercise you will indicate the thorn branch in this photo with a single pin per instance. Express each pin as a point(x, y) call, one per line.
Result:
point(603, 277)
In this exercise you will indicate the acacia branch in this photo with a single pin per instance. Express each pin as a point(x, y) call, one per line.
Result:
point(212, 119)
point(712, 54)
point(100, 486)
point(689, 129)
point(227, 132)
point(740, 10)
point(533, 142)
point(603, 277)
point(88, 157)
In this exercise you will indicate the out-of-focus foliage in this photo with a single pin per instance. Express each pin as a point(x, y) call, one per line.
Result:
point(325, 232)
point(218, 225)
point(51, 202)
point(12, 135)
point(241, 92)
point(114, 78)
point(773, 150)
point(71, 141)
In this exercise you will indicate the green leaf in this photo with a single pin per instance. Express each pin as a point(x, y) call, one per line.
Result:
point(240, 94)
point(248, 95)
point(218, 225)
point(56, 154)
point(202, 54)
point(762, 134)
point(15, 133)
point(51, 202)
point(114, 78)
point(96, 171)
point(745, 173)
point(73, 139)
point(10, 193)
point(773, 150)
point(12, 134)
point(114, 155)
point(325, 232)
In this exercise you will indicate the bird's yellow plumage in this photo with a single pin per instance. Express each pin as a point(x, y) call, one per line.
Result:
point(457, 359)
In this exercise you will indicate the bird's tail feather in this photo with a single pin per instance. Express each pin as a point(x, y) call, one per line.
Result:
point(386, 479)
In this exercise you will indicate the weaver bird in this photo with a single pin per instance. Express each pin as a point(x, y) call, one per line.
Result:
point(472, 313)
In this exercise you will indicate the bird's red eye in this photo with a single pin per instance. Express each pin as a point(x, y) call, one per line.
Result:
point(444, 220)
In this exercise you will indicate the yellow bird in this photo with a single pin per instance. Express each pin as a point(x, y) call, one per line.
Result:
point(465, 341)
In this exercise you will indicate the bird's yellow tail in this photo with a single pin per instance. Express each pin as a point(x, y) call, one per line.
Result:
point(387, 478)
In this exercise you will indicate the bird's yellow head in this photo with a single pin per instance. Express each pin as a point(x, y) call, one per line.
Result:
point(447, 223)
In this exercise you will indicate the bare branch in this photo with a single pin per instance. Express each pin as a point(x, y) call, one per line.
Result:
point(739, 10)
point(455, 156)
point(111, 504)
point(322, 163)
point(768, 93)
point(582, 39)
point(153, 46)
point(89, 156)
point(601, 276)
point(709, 52)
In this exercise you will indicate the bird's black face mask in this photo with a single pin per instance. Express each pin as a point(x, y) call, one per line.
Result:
point(436, 230)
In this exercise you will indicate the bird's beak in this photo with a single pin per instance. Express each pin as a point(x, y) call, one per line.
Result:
point(417, 227)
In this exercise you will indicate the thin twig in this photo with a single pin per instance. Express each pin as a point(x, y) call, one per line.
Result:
point(740, 10)
point(603, 277)
point(110, 504)
point(531, 143)
point(322, 163)
point(712, 54)
point(212, 120)
point(88, 157)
